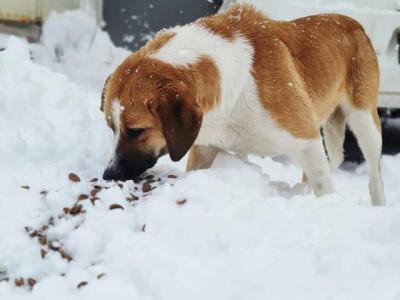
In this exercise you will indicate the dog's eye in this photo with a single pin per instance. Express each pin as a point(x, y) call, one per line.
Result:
point(134, 132)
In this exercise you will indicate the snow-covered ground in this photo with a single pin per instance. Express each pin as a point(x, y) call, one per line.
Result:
point(236, 231)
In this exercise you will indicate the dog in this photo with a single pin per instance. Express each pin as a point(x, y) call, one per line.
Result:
point(241, 82)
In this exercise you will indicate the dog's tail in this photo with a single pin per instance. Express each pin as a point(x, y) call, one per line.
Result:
point(334, 133)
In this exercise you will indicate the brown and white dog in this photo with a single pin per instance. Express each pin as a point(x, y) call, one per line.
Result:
point(242, 82)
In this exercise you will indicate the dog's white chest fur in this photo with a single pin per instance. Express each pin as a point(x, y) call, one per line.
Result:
point(245, 127)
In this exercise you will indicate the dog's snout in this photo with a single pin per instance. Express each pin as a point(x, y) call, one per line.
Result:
point(111, 174)
point(128, 169)
point(120, 173)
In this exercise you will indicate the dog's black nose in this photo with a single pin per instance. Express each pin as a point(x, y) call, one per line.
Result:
point(113, 174)
point(122, 173)
point(107, 175)
point(129, 169)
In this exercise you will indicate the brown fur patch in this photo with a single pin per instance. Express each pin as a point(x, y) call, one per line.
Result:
point(206, 83)
point(303, 67)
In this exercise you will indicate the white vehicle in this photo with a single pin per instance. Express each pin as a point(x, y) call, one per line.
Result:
point(381, 20)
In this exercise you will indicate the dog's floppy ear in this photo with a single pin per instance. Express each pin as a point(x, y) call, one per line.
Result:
point(180, 122)
point(103, 93)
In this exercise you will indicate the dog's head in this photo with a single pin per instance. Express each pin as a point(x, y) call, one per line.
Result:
point(152, 110)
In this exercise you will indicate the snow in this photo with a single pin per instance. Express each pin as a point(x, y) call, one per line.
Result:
point(3, 40)
point(236, 231)
point(72, 44)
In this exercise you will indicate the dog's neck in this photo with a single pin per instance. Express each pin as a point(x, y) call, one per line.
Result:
point(220, 67)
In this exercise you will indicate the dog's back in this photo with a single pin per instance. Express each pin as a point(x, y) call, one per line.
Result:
point(329, 56)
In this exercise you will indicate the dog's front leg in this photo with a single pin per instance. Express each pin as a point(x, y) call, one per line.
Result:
point(316, 168)
point(201, 157)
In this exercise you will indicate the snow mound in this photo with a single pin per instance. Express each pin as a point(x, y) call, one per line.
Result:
point(235, 231)
point(46, 120)
point(73, 44)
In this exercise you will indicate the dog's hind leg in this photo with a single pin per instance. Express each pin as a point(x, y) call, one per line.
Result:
point(365, 125)
point(334, 133)
point(201, 157)
point(361, 113)
point(314, 162)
